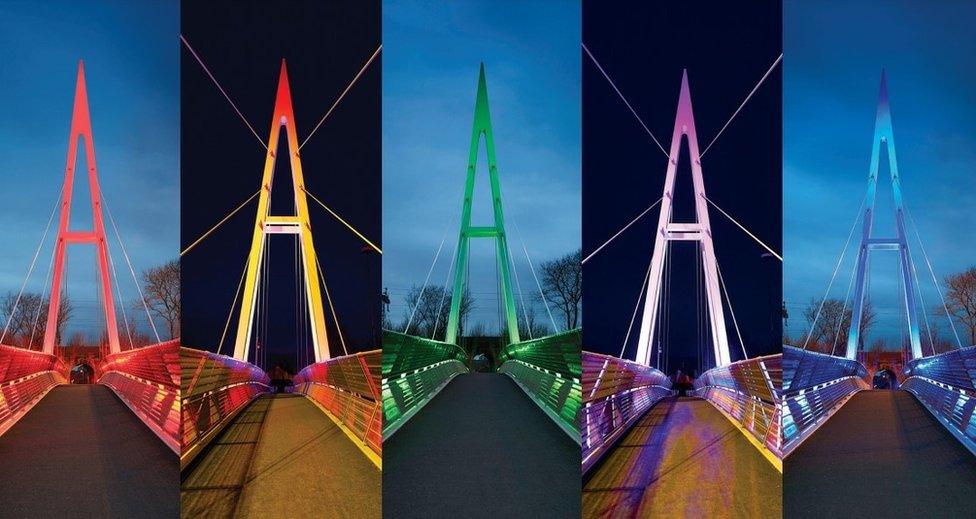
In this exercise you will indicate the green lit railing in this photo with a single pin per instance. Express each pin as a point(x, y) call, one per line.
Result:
point(549, 370)
point(414, 370)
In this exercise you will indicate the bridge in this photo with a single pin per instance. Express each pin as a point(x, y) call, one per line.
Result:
point(96, 450)
point(854, 450)
point(464, 439)
point(662, 444)
point(249, 448)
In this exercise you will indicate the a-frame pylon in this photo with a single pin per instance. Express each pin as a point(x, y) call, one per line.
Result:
point(883, 135)
point(482, 127)
point(298, 224)
point(81, 127)
point(668, 231)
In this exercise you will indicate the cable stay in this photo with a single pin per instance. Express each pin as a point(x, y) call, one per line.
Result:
point(343, 222)
point(621, 231)
point(233, 304)
point(555, 328)
point(328, 298)
point(637, 305)
point(735, 322)
point(751, 235)
point(748, 97)
point(221, 222)
point(928, 262)
point(450, 271)
point(343, 94)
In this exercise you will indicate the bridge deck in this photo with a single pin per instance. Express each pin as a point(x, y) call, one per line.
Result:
point(481, 448)
point(683, 458)
point(80, 452)
point(881, 455)
point(282, 456)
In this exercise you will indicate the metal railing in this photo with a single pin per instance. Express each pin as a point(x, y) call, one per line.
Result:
point(815, 386)
point(348, 389)
point(549, 370)
point(213, 388)
point(748, 391)
point(148, 381)
point(946, 386)
point(414, 370)
point(25, 377)
point(616, 393)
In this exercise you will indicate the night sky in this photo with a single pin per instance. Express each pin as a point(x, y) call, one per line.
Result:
point(726, 48)
point(242, 43)
point(829, 106)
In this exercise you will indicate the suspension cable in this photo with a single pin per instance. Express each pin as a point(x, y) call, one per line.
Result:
point(632, 222)
point(328, 297)
point(343, 94)
point(343, 222)
point(227, 97)
point(132, 270)
point(768, 72)
point(624, 99)
point(221, 222)
point(423, 288)
point(30, 269)
point(843, 252)
point(735, 322)
point(753, 236)
point(934, 280)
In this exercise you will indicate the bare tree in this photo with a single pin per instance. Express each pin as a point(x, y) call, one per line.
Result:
point(530, 326)
point(562, 284)
point(432, 312)
point(161, 287)
point(27, 326)
point(961, 299)
point(834, 323)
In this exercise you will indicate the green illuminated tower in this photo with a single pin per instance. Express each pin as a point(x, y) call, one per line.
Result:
point(482, 127)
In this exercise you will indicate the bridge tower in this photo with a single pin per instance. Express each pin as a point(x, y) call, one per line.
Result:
point(883, 136)
point(81, 127)
point(699, 231)
point(298, 223)
point(482, 127)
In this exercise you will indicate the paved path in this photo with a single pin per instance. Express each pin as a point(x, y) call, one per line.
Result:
point(683, 458)
point(282, 457)
point(481, 448)
point(881, 455)
point(80, 452)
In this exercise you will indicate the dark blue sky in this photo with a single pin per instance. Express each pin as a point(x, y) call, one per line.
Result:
point(430, 68)
point(834, 55)
point(131, 56)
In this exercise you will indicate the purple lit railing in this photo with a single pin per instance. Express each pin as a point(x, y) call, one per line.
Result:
point(25, 377)
point(946, 386)
point(616, 392)
point(815, 386)
point(148, 381)
point(348, 388)
point(213, 389)
point(748, 391)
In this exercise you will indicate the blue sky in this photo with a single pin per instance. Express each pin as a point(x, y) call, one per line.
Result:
point(834, 53)
point(431, 53)
point(131, 53)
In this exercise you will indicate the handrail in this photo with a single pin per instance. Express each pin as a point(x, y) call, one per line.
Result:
point(549, 370)
point(615, 394)
point(213, 389)
point(348, 389)
point(25, 377)
point(414, 370)
point(815, 386)
point(946, 385)
point(147, 380)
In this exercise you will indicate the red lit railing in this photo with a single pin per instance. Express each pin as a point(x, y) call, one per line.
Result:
point(616, 393)
point(148, 381)
point(25, 377)
point(348, 388)
point(213, 389)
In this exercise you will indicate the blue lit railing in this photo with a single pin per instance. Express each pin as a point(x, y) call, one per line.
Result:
point(748, 391)
point(945, 386)
point(616, 393)
point(815, 386)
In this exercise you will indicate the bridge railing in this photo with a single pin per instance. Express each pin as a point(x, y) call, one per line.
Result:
point(25, 377)
point(946, 386)
point(815, 386)
point(213, 388)
point(548, 369)
point(414, 370)
point(148, 381)
point(616, 393)
point(348, 388)
point(749, 392)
